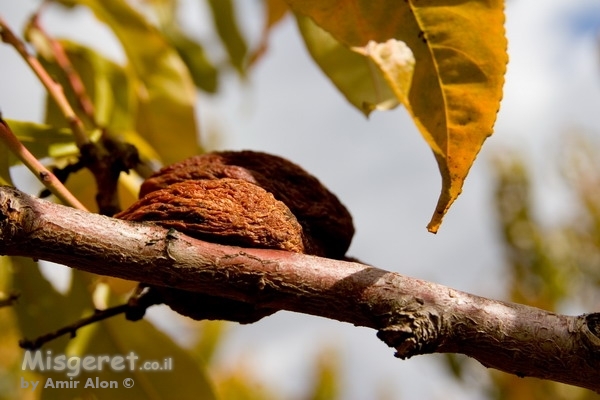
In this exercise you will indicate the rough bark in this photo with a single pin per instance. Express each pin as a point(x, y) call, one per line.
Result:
point(411, 315)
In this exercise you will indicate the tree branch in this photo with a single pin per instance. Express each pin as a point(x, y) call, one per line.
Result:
point(411, 315)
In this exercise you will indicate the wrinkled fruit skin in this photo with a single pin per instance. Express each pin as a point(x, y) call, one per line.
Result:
point(247, 199)
point(226, 211)
point(324, 219)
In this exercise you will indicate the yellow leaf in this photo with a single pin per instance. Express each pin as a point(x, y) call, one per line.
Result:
point(352, 71)
point(460, 53)
point(41, 309)
point(5, 163)
point(129, 188)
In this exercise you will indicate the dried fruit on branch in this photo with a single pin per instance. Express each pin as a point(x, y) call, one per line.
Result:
point(248, 199)
point(323, 217)
point(226, 211)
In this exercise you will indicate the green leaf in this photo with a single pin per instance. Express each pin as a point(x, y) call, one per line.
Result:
point(460, 53)
point(109, 85)
point(111, 89)
point(165, 111)
point(43, 140)
point(225, 22)
point(354, 74)
point(203, 72)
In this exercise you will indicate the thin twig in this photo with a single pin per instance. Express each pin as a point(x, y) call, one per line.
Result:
point(54, 89)
point(44, 175)
point(135, 308)
point(64, 63)
point(99, 315)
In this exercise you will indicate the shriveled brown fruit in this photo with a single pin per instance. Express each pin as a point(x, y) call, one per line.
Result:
point(240, 198)
point(226, 211)
point(324, 219)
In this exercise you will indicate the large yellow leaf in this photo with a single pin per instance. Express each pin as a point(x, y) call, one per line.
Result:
point(460, 53)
